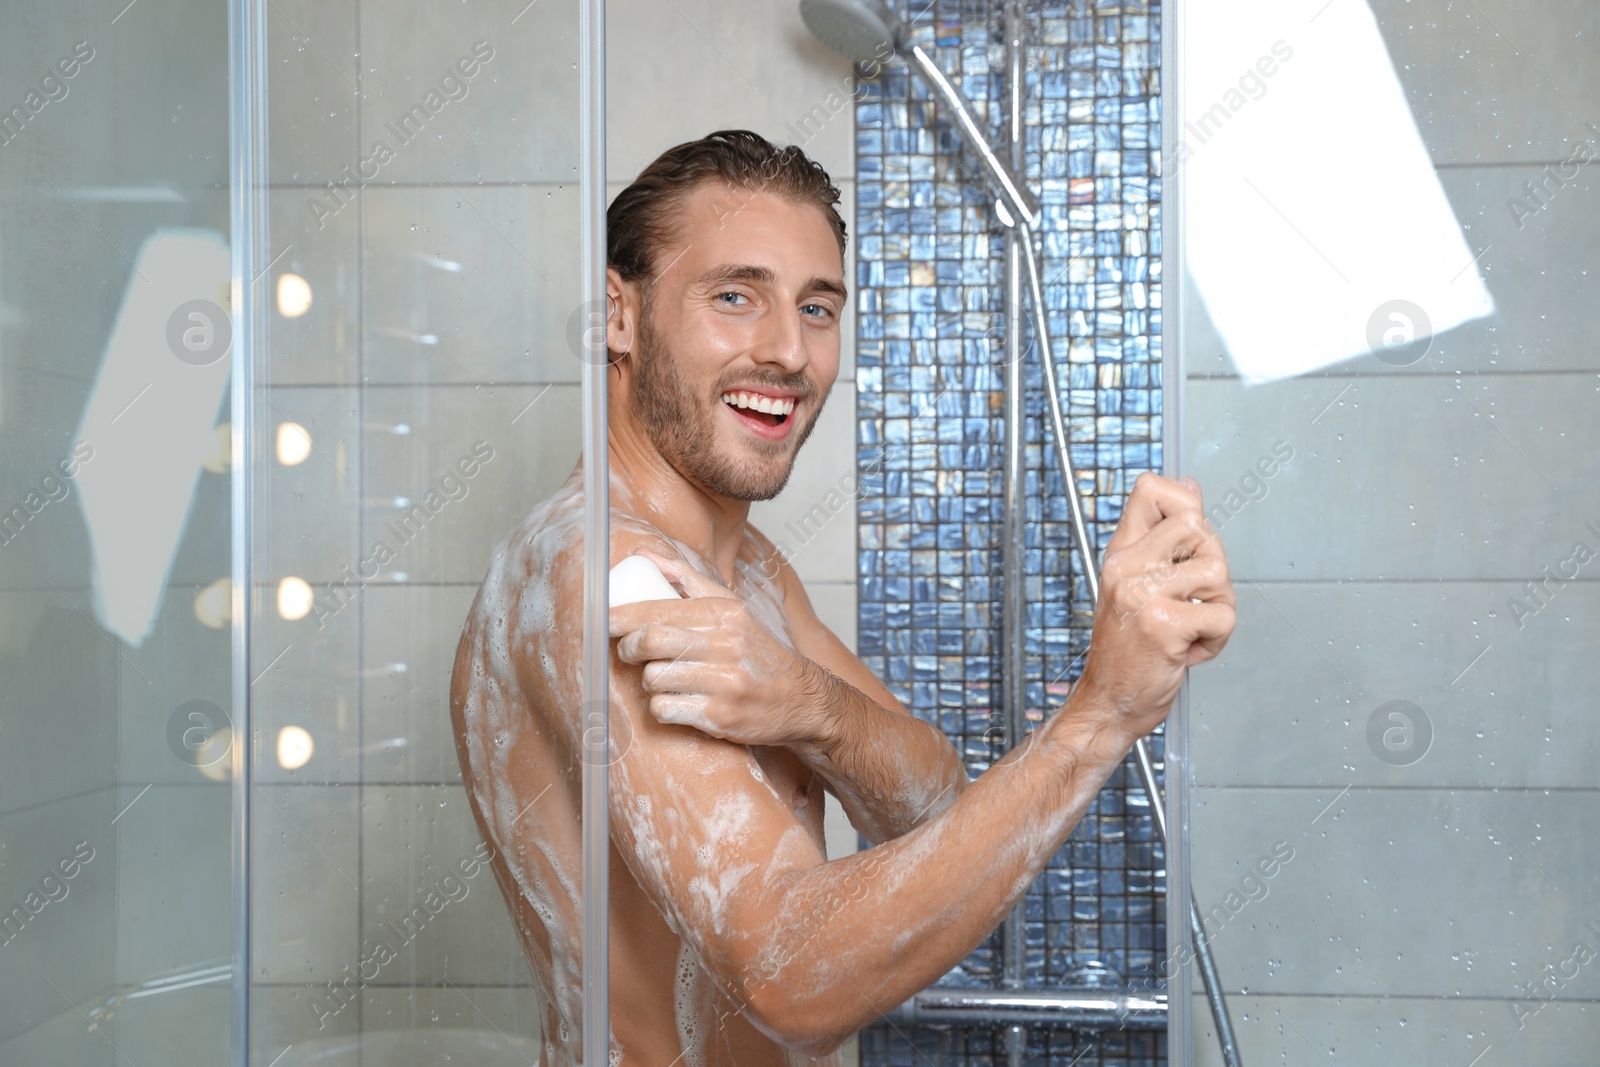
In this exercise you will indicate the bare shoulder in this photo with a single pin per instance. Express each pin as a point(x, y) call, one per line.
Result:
point(524, 623)
point(515, 657)
point(629, 534)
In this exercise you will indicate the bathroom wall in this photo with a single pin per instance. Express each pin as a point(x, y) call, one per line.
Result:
point(1440, 861)
point(444, 283)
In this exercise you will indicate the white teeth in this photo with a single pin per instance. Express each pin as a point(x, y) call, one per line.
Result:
point(758, 402)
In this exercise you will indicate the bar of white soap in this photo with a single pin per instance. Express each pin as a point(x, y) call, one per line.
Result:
point(636, 579)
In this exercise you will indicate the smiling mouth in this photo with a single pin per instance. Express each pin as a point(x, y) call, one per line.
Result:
point(772, 411)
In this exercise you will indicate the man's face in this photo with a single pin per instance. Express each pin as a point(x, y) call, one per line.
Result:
point(738, 342)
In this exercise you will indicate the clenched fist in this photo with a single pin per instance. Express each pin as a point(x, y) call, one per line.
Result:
point(1165, 604)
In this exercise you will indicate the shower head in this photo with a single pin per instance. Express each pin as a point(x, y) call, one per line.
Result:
point(856, 29)
point(859, 30)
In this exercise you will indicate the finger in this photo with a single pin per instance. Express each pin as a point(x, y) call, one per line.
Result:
point(684, 675)
point(681, 574)
point(1153, 499)
point(1174, 539)
point(657, 643)
point(683, 710)
point(1194, 623)
point(626, 618)
point(1203, 579)
point(1212, 625)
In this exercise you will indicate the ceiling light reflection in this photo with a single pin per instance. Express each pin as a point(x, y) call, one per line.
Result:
point(294, 598)
point(294, 295)
point(294, 443)
point(294, 747)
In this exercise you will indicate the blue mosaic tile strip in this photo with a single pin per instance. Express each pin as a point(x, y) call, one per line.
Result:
point(929, 387)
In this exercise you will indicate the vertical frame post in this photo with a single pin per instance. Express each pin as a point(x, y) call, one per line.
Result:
point(1175, 753)
point(247, 206)
point(597, 535)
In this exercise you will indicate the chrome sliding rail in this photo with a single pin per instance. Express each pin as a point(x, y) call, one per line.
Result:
point(1089, 1010)
point(1004, 170)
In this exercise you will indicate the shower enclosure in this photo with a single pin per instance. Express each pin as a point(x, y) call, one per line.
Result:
point(268, 504)
point(295, 323)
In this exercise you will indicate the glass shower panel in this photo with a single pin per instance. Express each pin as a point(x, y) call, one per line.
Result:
point(419, 394)
point(1392, 242)
point(930, 398)
point(114, 533)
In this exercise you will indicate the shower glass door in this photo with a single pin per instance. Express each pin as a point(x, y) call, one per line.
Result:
point(115, 480)
point(417, 396)
point(1391, 254)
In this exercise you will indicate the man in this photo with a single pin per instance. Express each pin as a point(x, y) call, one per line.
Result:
point(733, 938)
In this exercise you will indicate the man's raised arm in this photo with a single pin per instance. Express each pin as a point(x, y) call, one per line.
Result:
point(815, 950)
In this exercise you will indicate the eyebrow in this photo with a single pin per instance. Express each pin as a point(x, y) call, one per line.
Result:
point(759, 275)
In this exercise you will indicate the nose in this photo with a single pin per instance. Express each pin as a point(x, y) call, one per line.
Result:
point(782, 342)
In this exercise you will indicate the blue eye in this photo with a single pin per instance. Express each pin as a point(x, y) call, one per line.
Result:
point(730, 292)
point(820, 307)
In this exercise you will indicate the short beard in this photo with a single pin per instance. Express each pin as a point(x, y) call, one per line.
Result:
point(682, 431)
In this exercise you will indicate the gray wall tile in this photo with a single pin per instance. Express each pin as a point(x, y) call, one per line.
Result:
point(1465, 71)
point(536, 436)
point(299, 1023)
point(1311, 665)
point(307, 868)
point(413, 839)
point(312, 81)
point(1368, 1031)
point(320, 346)
point(66, 1038)
point(813, 521)
point(1396, 892)
point(409, 647)
point(183, 660)
point(678, 71)
point(1405, 477)
point(835, 605)
point(306, 674)
point(181, 1026)
point(470, 284)
point(57, 747)
point(309, 528)
point(514, 119)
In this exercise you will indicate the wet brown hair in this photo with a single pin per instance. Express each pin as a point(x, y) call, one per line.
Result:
point(639, 222)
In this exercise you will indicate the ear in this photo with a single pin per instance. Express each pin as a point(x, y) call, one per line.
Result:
point(622, 314)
